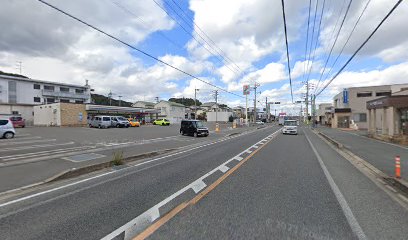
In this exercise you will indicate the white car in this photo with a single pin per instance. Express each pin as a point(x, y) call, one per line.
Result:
point(290, 127)
point(6, 129)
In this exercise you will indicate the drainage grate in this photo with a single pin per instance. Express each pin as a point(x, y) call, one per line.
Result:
point(83, 157)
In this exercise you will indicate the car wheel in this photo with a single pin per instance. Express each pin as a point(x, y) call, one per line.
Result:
point(99, 126)
point(182, 133)
point(23, 126)
point(154, 123)
point(8, 135)
point(195, 134)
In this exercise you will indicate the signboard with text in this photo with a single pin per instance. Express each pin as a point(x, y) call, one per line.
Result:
point(245, 90)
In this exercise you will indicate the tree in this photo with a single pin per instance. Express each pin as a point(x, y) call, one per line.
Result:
point(185, 101)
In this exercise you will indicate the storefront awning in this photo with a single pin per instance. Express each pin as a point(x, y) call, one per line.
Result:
point(116, 109)
point(391, 101)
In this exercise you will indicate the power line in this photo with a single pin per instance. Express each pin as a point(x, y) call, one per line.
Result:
point(361, 46)
point(134, 48)
point(348, 39)
point(311, 41)
point(287, 48)
point(123, 8)
point(208, 37)
point(190, 34)
point(334, 43)
point(307, 39)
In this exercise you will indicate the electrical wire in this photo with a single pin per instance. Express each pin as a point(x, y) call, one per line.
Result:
point(311, 41)
point(134, 48)
point(307, 40)
point(348, 39)
point(334, 43)
point(287, 47)
point(361, 46)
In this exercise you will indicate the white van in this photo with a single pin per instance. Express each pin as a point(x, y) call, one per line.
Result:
point(290, 127)
point(6, 129)
point(101, 122)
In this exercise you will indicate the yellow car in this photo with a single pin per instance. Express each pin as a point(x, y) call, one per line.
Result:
point(161, 122)
point(134, 122)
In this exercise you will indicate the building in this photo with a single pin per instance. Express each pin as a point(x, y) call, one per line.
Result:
point(19, 95)
point(143, 104)
point(324, 113)
point(350, 106)
point(219, 116)
point(60, 114)
point(174, 112)
point(392, 113)
point(209, 106)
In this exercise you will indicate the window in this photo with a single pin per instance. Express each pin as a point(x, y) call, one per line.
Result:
point(64, 89)
point(37, 86)
point(37, 99)
point(48, 88)
point(14, 112)
point(106, 118)
point(360, 117)
point(3, 122)
point(379, 94)
point(50, 100)
point(364, 94)
point(12, 91)
point(79, 91)
point(64, 100)
point(79, 101)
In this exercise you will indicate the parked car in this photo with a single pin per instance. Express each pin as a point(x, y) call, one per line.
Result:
point(101, 122)
point(6, 129)
point(119, 122)
point(161, 122)
point(193, 127)
point(134, 122)
point(17, 121)
point(290, 127)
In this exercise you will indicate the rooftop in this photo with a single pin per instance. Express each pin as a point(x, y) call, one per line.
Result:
point(40, 81)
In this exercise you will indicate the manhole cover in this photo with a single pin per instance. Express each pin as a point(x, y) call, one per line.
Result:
point(83, 157)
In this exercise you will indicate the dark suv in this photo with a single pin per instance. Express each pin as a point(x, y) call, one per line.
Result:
point(193, 127)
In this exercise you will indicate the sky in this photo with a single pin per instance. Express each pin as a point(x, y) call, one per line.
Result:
point(227, 43)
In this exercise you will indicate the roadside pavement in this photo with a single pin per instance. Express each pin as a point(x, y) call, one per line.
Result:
point(380, 154)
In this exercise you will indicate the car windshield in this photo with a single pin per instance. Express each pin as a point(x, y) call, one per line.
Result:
point(204, 119)
point(199, 124)
point(290, 123)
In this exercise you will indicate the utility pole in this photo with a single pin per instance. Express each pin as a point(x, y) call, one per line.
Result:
point(157, 99)
point(120, 100)
point(256, 85)
point(266, 108)
point(110, 97)
point(307, 101)
point(216, 103)
point(195, 102)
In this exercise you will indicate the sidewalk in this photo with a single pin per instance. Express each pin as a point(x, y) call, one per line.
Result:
point(380, 154)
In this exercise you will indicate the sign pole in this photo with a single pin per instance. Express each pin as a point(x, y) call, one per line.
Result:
point(246, 109)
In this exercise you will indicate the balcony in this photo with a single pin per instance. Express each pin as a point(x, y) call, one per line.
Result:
point(65, 94)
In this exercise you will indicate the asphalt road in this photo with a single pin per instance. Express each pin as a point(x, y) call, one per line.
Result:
point(283, 188)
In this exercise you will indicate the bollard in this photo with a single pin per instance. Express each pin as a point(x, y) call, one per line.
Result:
point(397, 167)
point(217, 127)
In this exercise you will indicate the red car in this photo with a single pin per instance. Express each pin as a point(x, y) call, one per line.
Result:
point(17, 121)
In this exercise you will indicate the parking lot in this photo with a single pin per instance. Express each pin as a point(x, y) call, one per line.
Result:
point(37, 153)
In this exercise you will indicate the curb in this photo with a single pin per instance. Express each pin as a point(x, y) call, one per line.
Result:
point(399, 183)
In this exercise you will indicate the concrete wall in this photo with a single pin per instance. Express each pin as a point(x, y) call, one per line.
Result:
point(26, 112)
point(47, 115)
point(221, 116)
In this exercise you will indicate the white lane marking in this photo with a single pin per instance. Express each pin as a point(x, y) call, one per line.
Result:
point(248, 151)
point(131, 228)
point(198, 185)
point(35, 146)
point(224, 168)
point(238, 158)
point(255, 146)
point(352, 221)
point(104, 174)
point(42, 153)
point(17, 139)
point(27, 142)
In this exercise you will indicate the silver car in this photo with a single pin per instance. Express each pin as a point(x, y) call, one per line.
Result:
point(101, 122)
point(6, 129)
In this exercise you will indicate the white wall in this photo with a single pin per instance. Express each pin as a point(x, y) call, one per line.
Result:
point(47, 115)
point(173, 113)
point(221, 116)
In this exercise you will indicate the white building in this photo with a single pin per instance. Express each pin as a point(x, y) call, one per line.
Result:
point(350, 106)
point(324, 113)
point(174, 112)
point(143, 104)
point(19, 95)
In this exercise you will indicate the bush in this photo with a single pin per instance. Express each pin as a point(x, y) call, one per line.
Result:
point(117, 158)
point(231, 118)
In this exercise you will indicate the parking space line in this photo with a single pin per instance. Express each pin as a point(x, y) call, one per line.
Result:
point(35, 146)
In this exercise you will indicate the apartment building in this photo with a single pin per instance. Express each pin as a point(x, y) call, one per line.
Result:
point(350, 105)
point(19, 95)
point(324, 113)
